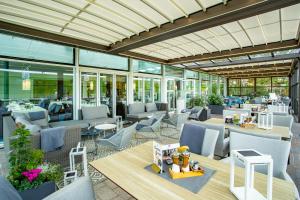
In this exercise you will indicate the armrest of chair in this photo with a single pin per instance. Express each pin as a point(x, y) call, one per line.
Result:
point(287, 177)
point(82, 188)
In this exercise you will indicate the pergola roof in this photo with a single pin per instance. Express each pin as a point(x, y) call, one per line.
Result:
point(201, 32)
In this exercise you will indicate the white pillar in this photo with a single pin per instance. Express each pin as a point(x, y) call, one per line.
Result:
point(218, 85)
point(130, 83)
point(210, 85)
point(114, 103)
point(163, 86)
point(225, 87)
point(200, 84)
point(76, 86)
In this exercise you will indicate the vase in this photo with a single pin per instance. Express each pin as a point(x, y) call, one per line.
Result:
point(40, 192)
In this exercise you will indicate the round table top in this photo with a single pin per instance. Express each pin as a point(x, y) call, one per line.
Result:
point(105, 126)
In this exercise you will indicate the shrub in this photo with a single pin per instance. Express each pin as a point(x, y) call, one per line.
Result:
point(198, 101)
point(215, 99)
point(26, 164)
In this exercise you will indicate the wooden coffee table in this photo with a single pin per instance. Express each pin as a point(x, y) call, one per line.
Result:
point(126, 169)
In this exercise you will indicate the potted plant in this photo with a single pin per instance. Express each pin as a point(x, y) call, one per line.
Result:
point(28, 174)
point(216, 104)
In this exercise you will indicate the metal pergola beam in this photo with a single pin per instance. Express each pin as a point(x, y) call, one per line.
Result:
point(238, 52)
point(214, 16)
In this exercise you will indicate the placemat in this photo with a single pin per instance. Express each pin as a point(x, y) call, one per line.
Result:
point(193, 184)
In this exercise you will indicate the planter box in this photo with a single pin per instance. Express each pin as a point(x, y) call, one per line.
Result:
point(216, 109)
point(205, 114)
point(40, 192)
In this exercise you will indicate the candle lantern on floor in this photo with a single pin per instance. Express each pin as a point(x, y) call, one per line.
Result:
point(265, 120)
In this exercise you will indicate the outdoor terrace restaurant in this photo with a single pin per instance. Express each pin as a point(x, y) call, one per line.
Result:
point(149, 99)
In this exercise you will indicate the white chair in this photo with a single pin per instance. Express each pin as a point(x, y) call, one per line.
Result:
point(192, 136)
point(278, 149)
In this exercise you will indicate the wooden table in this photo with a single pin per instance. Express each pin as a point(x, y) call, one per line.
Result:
point(276, 132)
point(126, 169)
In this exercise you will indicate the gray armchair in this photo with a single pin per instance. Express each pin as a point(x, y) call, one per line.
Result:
point(147, 128)
point(120, 140)
point(174, 121)
point(278, 149)
point(196, 112)
point(200, 140)
point(222, 146)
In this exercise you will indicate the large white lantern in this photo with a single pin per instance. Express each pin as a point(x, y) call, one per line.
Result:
point(265, 120)
point(250, 158)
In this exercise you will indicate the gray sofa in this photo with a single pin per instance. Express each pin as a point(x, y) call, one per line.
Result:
point(139, 111)
point(61, 156)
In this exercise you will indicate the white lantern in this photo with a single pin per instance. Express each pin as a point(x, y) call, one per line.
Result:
point(265, 120)
point(250, 158)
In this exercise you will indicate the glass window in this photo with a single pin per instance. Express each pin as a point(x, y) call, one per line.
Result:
point(106, 91)
point(239, 58)
point(204, 87)
point(189, 91)
point(121, 98)
point(260, 55)
point(247, 82)
point(88, 89)
point(171, 71)
point(280, 81)
point(146, 67)
point(234, 91)
point(157, 94)
point(20, 47)
point(138, 89)
point(102, 60)
point(191, 74)
point(148, 90)
point(234, 83)
point(263, 81)
point(44, 86)
point(214, 85)
point(221, 83)
point(284, 52)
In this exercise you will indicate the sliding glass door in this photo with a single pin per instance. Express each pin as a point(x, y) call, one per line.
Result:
point(146, 90)
point(99, 88)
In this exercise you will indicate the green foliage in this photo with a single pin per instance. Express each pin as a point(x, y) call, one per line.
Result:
point(23, 158)
point(215, 99)
point(198, 101)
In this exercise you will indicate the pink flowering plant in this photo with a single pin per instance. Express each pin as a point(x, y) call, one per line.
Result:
point(27, 170)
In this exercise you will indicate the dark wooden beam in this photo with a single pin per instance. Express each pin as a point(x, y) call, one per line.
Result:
point(245, 68)
point(237, 73)
point(288, 44)
point(49, 37)
point(259, 75)
point(217, 15)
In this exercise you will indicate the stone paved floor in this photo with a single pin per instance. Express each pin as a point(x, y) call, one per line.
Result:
point(107, 190)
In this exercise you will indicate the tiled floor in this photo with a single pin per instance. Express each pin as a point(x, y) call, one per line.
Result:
point(107, 190)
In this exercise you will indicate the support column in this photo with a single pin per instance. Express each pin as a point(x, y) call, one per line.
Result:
point(210, 85)
point(164, 86)
point(76, 86)
point(114, 94)
point(130, 82)
point(225, 91)
point(200, 85)
point(5, 80)
point(218, 85)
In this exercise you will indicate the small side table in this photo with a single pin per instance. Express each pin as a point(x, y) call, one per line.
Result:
point(105, 127)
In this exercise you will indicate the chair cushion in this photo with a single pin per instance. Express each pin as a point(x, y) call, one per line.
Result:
point(80, 123)
point(7, 191)
point(139, 115)
point(193, 136)
point(37, 115)
point(151, 107)
point(39, 118)
point(136, 108)
point(94, 112)
point(33, 128)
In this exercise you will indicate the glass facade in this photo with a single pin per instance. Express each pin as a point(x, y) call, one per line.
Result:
point(88, 89)
point(106, 91)
point(204, 84)
point(259, 86)
point(19, 47)
point(146, 67)
point(175, 72)
point(102, 60)
point(146, 90)
point(48, 87)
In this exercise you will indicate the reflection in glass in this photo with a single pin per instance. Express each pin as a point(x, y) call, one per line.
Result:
point(157, 93)
point(44, 87)
point(189, 91)
point(106, 91)
point(121, 98)
point(148, 90)
point(88, 89)
point(137, 89)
